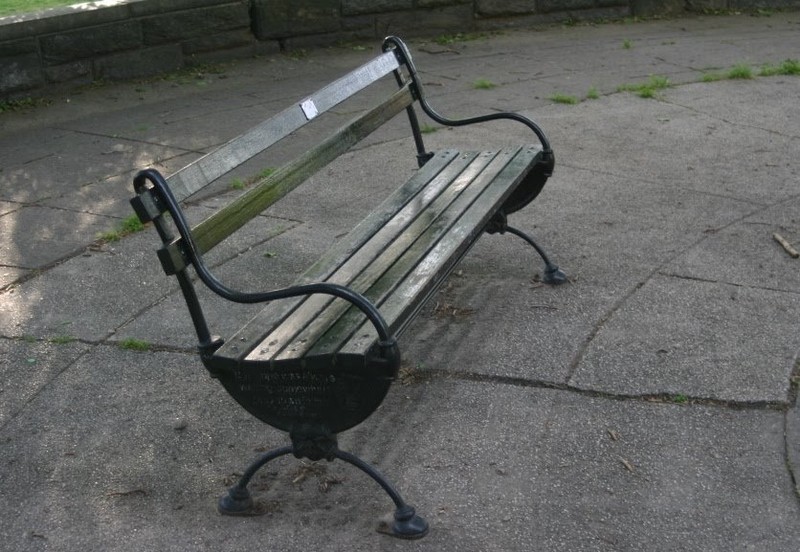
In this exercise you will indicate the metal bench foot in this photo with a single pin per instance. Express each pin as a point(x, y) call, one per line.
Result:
point(552, 274)
point(308, 443)
point(237, 501)
point(406, 524)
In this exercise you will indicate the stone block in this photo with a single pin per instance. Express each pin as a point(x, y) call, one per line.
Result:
point(159, 7)
point(139, 63)
point(357, 7)
point(76, 71)
point(754, 4)
point(19, 48)
point(276, 19)
point(64, 19)
point(646, 8)
point(174, 27)
point(90, 42)
point(494, 8)
point(440, 3)
point(547, 6)
point(20, 73)
point(218, 41)
point(411, 23)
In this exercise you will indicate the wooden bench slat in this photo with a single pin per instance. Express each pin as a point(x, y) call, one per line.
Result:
point(413, 291)
point(428, 215)
point(403, 226)
point(208, 168)
point(236, 214)
point(248, 337)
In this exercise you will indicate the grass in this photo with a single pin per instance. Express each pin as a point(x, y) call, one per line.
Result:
point(62, 339)
point(743, 71)
point(127, 226)
point(740, 71)
point(445, 39)
point(593, 93)
point(483, 84)
point(10, 7)
point(627, 44)
point(564, 99)
point(648, 89)
point(239, 184)
point(787, 67)
point(428, 129)
point(23, 104)
point(132, 344)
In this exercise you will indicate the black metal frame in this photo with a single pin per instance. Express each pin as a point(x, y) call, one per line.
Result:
point(314, 441)
point(162, 196)
point(499, 224)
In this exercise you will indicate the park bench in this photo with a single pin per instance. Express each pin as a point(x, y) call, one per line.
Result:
point(321, 355)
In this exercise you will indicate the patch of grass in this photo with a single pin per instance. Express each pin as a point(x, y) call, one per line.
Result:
point(129, 225)
point(265, 173)
point(680, 399)
point(647, 89)
point(239, 184)
point(445, 39)
point(712, 77)
point(627, 44)
point(297, 55)
point(483, 84)
point(564, 99)
point(740, 71)
point(428, 129)
point(9, 7)
point(62, 339)
point(787, 67)
point(592, 93)
point(132, 344)
point(22, 104)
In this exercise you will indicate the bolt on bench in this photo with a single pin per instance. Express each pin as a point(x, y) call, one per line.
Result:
point(321, 355)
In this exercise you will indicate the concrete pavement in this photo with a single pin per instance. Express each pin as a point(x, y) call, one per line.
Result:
point(648, 405)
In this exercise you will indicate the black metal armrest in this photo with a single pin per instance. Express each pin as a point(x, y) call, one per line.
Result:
point(189, 248)
point(405, 57)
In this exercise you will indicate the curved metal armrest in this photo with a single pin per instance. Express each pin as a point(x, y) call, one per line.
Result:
point(405, 58)
point(192, 252)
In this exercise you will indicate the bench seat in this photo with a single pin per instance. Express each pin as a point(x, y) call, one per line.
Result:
point(396, 257)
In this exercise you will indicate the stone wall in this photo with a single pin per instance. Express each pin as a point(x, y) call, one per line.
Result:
point(120, 39)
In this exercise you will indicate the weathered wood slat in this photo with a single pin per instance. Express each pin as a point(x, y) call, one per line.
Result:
point(208, 168)
point(247, 338)
point(233, 216)
point(377, 256)
point(396, 234)
point(413, 291)
point(433, 221)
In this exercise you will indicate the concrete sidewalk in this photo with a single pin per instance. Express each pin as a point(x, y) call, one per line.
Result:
point(648, 405)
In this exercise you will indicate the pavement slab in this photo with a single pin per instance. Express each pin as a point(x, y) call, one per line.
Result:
point(30, 244)
point(27, 366)
point(673, 347)
point(647, 475)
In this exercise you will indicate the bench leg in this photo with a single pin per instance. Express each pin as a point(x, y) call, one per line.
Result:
point(552, 274)
point(406, 524)
point(237, 501)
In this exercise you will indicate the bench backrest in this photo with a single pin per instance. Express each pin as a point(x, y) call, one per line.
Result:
point(207, 169)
